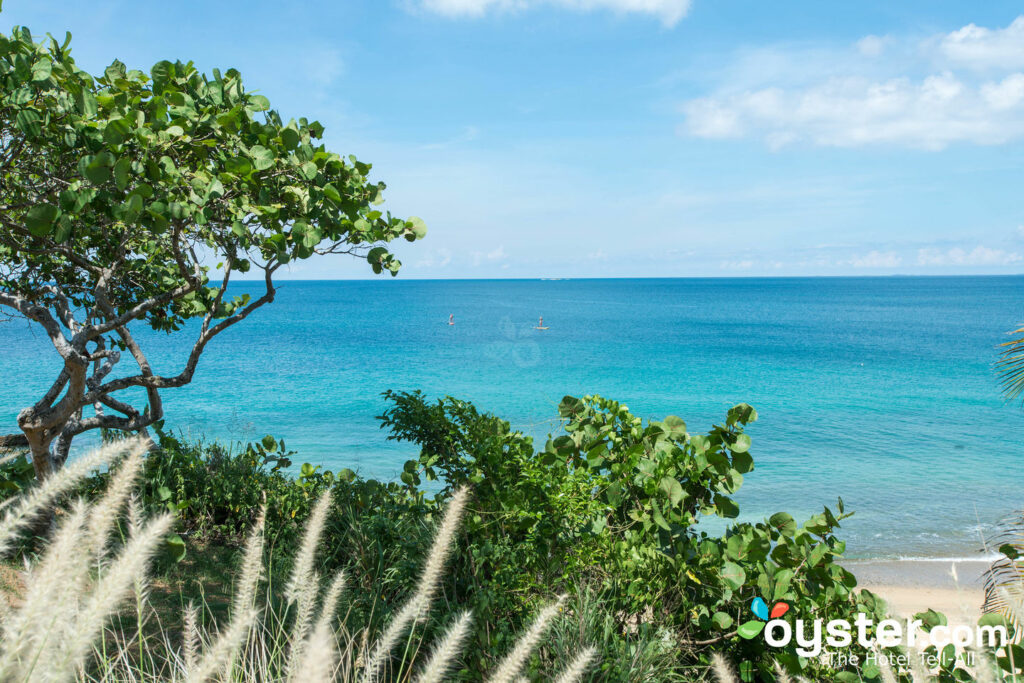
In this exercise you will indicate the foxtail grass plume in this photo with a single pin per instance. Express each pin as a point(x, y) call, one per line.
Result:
point(114, 586)
point(303, 582)
point(446, 653)
point(106, 511)
point(30, 505)
point(578, 666)
point(417, 606)
point(251, 571)
point(190, 646)
point(510, 667)
point(722, 670)
point(223, 651)
point(319, 658)
point(52, 587)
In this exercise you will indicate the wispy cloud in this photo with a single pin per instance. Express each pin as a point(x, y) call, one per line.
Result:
point(737, 264)
point(877, 259)
point(856, 104)
point(495, 255)
point(957, 256)
point(670, 12)
point(436, 258)
point(980, 47)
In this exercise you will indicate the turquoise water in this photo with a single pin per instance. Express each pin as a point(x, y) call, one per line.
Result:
point(879, 390)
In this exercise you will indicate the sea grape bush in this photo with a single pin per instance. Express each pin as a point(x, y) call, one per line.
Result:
point(616, 501)
point(135, 200)
point(609, 508)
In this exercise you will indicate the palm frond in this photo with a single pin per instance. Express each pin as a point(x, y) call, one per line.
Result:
point(1011, 363)
point(1004, 580)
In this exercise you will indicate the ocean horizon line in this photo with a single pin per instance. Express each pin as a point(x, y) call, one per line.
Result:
point(894, 276)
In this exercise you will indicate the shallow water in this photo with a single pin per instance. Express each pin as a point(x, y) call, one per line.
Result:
point(879, 390)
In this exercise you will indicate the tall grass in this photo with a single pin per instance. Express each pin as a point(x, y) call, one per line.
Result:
point(61, 630)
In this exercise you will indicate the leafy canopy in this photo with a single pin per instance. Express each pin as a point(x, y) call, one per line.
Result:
point(126, 182)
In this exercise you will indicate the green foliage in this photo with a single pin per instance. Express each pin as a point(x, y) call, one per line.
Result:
point(608, 511)
point(131, 169)
point(616, 502)
point(124, 195)
point(16, 474)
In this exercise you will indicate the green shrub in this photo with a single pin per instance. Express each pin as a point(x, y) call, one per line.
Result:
point(614, 503)
point(610, 507)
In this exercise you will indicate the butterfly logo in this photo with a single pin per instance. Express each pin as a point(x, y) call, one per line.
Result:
point(760, 609)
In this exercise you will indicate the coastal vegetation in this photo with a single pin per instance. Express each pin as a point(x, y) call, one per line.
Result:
point(133, 199)
point(605, 514)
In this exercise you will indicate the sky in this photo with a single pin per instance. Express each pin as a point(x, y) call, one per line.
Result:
point(633, 138)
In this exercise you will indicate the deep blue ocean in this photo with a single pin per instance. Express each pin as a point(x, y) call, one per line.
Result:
point(879, 390)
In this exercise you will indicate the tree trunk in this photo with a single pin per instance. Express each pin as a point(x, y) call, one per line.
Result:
point(39, 446)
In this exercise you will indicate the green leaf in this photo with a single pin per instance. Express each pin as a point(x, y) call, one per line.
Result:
point(39, 219)
point(658, 518)
point(131, 209)
point(674, 427)
point(726, 507)
point(931, 619)
point(63, 231)
point(162, 73)
point(122, 172)
point(28, 122)
point(722, 620)
point(262, 158)
point(259, 102)
point(742, 462)
point(331, 192)
point(783, 579)
point(784, 522)
point(42, 69)
point(97, 168)
point(419, 228)
point(733, 575)
point(116, 131)
point(175, 548)
point(750, 629)
point(742, 444)
point(238, 166)
point(290, 138)
point(85, 101)
point(672, 489)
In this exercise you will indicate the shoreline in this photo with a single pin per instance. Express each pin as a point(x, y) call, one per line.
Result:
point(915, 585)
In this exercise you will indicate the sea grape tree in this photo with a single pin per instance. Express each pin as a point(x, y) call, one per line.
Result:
point(133, 199)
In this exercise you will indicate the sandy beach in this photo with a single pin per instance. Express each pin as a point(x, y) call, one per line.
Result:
point(912, 586)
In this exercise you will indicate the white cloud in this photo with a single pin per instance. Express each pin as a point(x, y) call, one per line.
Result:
point(981, 47)
point(497, 254)
point(438, 258)
point(979, 256)
point(739, 264)
point(849, 112)
point(858, 103)
point(877, 259)
point(670, 12)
